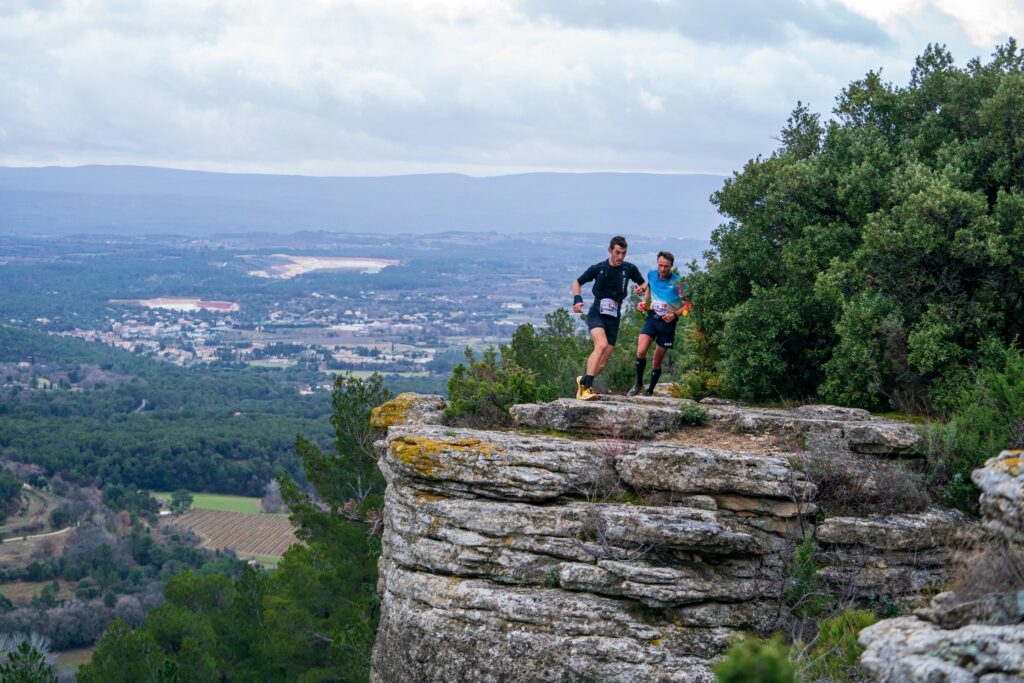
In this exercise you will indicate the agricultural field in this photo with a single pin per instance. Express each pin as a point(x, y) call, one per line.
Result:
point(21, 592)
point(33, 517)
point(262, 537)
point(17, 552)
point(68, 661)
point(217, 501)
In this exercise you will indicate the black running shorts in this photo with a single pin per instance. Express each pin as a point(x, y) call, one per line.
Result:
point(663, 333)
point(609, 323)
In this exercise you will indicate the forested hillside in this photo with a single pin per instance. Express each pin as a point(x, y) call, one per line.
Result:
point(109, 417)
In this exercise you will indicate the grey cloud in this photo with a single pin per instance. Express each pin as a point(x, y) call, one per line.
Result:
point(748, 21)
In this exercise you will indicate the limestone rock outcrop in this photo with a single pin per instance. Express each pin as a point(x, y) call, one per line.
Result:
point(409, 408)
point(964, 638)
point(610, 551)
point(819, 426)
point(904, 556)
point(1001, 481)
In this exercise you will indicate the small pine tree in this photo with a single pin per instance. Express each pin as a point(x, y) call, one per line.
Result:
point(26, 664)
point(753, 660)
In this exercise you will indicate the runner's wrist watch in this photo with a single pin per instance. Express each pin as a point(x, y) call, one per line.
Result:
point(577, 299)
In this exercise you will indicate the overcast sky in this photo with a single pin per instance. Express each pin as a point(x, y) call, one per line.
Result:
point(485, 87)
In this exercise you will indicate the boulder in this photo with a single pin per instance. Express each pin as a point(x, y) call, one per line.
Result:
point(900, 556)
point(409, 408)
point(823, 426)
point(912, 650)
point(610, 417)
point(1001, 481)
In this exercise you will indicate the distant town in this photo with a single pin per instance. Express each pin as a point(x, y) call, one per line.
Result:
point(237, 301)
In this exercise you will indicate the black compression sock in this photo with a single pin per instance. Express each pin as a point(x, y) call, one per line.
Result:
point(655, 375)
point(641, 365)
point(588, 381)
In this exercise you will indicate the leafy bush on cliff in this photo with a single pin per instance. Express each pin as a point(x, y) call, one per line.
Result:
point(555, 353)
point(871, 258)
point(480, 392)
point(988, 419)
point(753, 660)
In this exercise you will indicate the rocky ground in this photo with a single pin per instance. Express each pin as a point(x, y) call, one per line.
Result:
point(974, 633)
point(614, 541)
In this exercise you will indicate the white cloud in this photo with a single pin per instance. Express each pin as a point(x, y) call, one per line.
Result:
point(481, 86)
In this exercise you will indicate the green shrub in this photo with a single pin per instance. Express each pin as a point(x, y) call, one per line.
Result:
point(836, 653)
point(753, 660)
point(695, 414)
point(989, 418)
point(556, 353)
point(697, 384)
point(804, 592)
point(481, 391)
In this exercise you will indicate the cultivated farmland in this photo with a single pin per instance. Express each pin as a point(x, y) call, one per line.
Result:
point(250, 536)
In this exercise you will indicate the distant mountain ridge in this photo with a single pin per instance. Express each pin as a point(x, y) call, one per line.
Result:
point(146, 200)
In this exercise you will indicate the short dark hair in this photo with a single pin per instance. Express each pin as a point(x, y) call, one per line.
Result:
point(668, 255)
point(618, 241)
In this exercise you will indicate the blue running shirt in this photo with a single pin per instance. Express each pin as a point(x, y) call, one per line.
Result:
point(665, 294)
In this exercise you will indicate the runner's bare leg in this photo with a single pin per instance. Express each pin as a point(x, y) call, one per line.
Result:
point(643, 342)
point(601, 347)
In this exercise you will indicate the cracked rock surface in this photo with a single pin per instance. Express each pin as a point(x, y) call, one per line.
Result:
point(602, 552)
point(957, 638)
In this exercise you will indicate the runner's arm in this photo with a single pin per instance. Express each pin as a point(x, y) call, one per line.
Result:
point(577, 296)
point(641, 284)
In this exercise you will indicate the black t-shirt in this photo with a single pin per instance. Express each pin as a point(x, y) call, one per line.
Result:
point(611, 282)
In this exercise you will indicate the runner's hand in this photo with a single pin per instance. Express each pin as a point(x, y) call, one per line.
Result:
point(577, 308)
point(640, 290)
point(669, 317)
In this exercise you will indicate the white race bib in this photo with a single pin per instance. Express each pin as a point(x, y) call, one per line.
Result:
point(660, 308)
point(610, 307)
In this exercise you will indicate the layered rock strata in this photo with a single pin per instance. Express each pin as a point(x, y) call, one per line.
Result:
point(507, 554)
point(965, 638)
point(893, 556)
point(518, 555)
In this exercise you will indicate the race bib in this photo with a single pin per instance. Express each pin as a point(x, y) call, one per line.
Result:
point(610, 307)
point(660, 308)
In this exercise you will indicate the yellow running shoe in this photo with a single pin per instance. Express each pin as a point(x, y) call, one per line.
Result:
point(579, 388)
point(589, 395)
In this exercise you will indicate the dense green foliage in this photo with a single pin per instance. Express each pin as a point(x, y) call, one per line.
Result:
point(753, 660)
point(10, 492)
point(314, 618)
point(872, 259)
point(481, 391)
point(555, 353)
point(26, 665)
point(988, 418)
point(150, 424)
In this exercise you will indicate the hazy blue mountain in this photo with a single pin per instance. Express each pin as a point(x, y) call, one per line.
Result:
point(142, 200)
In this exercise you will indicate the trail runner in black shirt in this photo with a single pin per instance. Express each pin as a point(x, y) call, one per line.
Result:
point(611, 283)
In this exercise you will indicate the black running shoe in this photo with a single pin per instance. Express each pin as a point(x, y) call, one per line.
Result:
point(634, 390)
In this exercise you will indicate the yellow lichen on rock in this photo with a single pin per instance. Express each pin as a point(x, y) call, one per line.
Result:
point(1011, 465)
point(425, 456)
point(394, 412)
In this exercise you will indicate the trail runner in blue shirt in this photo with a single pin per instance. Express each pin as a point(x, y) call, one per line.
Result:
point(667, 304)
